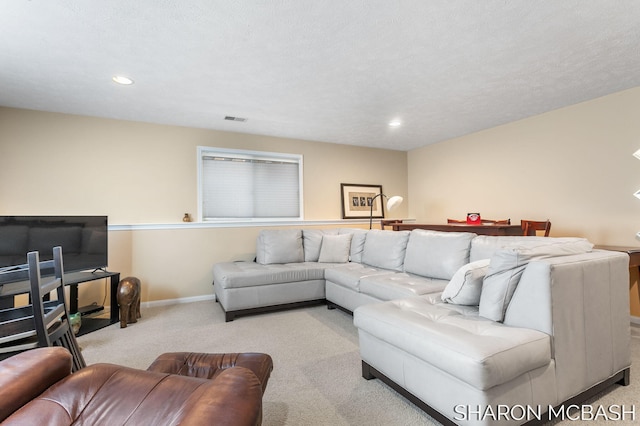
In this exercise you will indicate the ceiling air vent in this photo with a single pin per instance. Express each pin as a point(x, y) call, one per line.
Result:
point(230, 118)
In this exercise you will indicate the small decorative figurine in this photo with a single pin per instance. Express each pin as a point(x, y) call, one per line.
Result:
point(129, 300)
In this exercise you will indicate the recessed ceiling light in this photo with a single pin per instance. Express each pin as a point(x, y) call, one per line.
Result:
point(395, 123)
point(120, 79)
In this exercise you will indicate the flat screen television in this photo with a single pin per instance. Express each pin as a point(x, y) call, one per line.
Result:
point(83, 240)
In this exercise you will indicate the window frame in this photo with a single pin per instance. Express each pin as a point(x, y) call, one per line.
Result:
point(254, 155)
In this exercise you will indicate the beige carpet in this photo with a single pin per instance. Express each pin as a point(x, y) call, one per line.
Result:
point(316, 378)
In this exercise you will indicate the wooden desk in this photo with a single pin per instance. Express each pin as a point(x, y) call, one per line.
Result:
point(634, 260)
point(462, 227)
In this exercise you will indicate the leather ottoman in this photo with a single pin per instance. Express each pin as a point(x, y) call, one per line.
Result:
point(208, 366)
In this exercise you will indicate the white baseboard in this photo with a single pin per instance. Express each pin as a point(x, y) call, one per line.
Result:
point(180, 300)
point(635, 320)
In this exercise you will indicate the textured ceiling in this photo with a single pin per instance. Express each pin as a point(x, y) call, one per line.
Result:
point(329, 70)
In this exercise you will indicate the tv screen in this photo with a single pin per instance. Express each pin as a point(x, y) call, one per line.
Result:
point(83, 240)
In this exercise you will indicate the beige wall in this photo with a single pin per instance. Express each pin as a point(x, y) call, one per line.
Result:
point(138, 173)
point(573, 166)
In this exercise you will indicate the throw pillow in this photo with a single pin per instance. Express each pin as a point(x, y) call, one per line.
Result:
point(357, 242)
point(311, 242)
point(466, 284)
point(335, 248)
point(506, 268)
point(279, 246)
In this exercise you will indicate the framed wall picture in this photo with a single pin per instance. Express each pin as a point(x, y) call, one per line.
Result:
point(357, 201)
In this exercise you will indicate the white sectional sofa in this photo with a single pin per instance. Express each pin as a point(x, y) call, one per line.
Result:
point(473, 329)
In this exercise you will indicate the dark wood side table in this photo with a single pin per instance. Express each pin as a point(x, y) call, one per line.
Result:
point(634, 259)
point(461, 227)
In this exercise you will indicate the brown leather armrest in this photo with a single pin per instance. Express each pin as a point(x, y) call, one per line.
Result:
point(112, 394)
point(233, 398)
point(28, 374)
point(208, 366)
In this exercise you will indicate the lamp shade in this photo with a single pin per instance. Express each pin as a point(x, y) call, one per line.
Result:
point(394, 202)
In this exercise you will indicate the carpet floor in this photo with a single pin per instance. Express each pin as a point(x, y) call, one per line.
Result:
point(316, 378)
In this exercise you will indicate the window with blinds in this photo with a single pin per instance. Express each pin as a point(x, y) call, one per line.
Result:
point(245, 185)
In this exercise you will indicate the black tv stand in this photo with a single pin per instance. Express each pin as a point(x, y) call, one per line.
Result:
point(7, 291)
point(90, 309)
point(92, 324)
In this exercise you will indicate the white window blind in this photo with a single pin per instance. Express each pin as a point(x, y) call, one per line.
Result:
point(238, 184)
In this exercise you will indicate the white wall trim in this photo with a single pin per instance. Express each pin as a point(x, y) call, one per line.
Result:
point(179, 301)
point(168, 302)
point(635, 320)
point(239, 224)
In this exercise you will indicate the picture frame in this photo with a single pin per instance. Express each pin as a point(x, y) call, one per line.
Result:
point(357, 198)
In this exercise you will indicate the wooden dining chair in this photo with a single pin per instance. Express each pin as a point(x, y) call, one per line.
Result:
point(496, 222)
point(44, 322)
point(531, 227)
point(389, 222)
point(484, 221)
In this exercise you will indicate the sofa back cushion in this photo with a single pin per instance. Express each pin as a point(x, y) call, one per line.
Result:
point(484, 246)
point(385, 249)
point(279, 246)
point(312, 242)
point(437, 254)
point(357, 242)
point(507, 265)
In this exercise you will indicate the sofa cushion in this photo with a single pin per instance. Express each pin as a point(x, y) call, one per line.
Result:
point(385, 249)
point(349, 275)
point(279, 246)
point(335, 248)
point(312, 241)
point(466, 284)
point(484, 246)
point(251, 274)
point(437, 254)
point(399, 286)
point(454, 339)
point(357, 242)
point(507, 265)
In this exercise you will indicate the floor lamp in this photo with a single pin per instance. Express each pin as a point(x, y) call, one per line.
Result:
point(392, 203)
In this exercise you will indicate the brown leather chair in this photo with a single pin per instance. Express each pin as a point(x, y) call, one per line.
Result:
point(36, 387)
point(531, 227)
